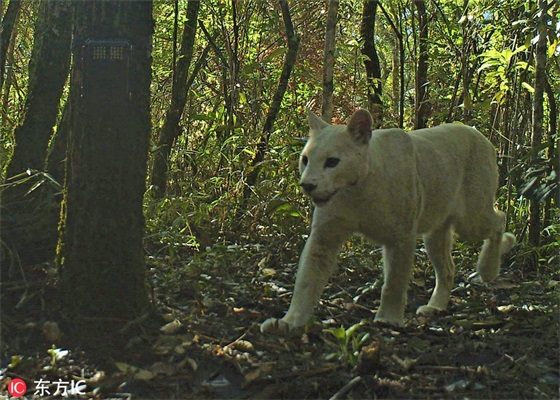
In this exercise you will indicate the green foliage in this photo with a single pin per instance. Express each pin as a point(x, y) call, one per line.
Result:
point(55, 354)
point(349, 342)
point(481, 72)
point(498, 65)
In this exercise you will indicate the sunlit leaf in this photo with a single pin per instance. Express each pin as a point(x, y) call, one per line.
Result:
point(529, 88)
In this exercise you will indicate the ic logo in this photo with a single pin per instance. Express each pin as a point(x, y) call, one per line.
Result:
point(17, 387)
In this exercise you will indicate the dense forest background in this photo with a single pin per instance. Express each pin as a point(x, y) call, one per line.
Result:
point(480, 69)
point(230, 85)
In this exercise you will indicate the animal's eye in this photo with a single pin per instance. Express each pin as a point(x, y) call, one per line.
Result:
point(304, 160)
point(332, 162)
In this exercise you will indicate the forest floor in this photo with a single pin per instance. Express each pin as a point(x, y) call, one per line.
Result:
point(496, 341)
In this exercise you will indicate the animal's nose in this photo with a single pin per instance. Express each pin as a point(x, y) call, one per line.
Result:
point(308, 187)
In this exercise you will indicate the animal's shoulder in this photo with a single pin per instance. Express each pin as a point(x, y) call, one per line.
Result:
point(392, 136)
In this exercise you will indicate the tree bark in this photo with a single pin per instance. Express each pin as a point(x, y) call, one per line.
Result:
point(371, 61)
point(554, 154)
point(48, 71)
point(30, 219)
point(538, 116)
point(171, 129)
point(100, 253)
point(398, 60)
point(6, 30)
point(421, 90)
point(56, 157)
point(328, 67)
point(289, 62)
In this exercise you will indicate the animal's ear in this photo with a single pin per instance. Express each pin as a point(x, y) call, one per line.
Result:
point(315, 123)
point(360, 126)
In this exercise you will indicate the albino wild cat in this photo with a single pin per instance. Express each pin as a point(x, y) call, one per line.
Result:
point(393, 187)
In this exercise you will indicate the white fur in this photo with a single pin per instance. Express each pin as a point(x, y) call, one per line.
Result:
point(392, 187)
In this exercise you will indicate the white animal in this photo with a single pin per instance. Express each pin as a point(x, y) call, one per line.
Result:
point(393, 186)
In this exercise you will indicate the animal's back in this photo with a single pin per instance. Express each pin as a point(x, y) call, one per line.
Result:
point(458, 175)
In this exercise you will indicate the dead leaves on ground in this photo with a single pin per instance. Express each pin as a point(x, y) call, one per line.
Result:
point(495, 341)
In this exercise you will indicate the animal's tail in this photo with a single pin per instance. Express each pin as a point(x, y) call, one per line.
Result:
point(488, 265)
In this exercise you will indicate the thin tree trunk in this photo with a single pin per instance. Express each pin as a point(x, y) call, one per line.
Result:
point(398, 67)
point(538, 112)
point(371, 61)
point(31, 220)
point(171, 129)
point(100, 254)
point(421, 92)
point(395, 76)
point(289, 62)
point(553, 152)
point(328, 67)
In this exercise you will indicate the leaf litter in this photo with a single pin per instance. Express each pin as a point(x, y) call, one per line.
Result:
point(496, 341)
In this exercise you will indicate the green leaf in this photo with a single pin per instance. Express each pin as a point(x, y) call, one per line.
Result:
point(339, 333)
point(553, 48)
point(282, 207)
point(350, 331)
point(276, 53)
point(529, 88)
point(15, 361)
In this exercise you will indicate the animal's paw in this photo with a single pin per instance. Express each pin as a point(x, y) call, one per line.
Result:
point(279, 327)
point(508, 242)
point(398, 322)
point(428, 310)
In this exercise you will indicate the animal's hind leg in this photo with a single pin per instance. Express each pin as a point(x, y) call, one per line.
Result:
point(438, 245)
point(495, 245)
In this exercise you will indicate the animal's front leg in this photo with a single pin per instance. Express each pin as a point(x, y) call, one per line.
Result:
point(398, 260)
point(316, 265)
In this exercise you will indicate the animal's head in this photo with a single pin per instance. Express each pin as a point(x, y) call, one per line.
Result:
point(336, 157)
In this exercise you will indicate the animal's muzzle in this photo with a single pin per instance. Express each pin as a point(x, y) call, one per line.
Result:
point(308, 187)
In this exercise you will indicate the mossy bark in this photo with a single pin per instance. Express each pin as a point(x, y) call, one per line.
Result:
point(29, 220)
point(100, 254)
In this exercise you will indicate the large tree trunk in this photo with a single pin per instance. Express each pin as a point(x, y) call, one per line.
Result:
point(48, 71)
point(421, 90)
point(371, 61)
point(328, 67)
point(171, 129)
point(100, 253)
point(29, 220)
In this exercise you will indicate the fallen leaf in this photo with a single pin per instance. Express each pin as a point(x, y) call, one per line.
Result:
point(164, 368)
point(243, 345)
point(172, 327)
point(135, 372)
